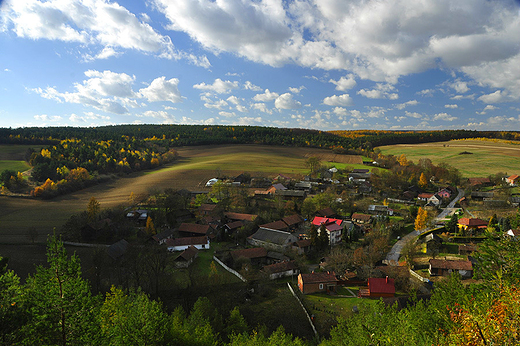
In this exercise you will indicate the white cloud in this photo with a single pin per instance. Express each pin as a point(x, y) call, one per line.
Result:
point(7, 70)
point(286, 101)
point(460, 86)
point(261, 107)
point(496, 97)
point(91, 22)
point(487, 109)
point(219, 86)
point(451, 106)
point(233, 99)
point(296, 90)
point(250, 86)
point(444, 117)
point(426, 92)
point(406, 104)
point(266, 96)
point(381, 91)
point(227, 114)
point(45, 117)
point(217, 104)
point(341, 100)
point(162, 89)
point(344, 83)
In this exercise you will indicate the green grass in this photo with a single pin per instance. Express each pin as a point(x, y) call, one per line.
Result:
point(13, 165)
point(486, 158)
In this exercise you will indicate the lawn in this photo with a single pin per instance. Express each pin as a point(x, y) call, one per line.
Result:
point(485, 158)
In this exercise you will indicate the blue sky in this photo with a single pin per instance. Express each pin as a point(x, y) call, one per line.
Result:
point(324, 64)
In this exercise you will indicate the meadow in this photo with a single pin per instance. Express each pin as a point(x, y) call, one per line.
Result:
point(473, 158)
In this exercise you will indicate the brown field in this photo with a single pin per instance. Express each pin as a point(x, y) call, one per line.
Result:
point(195, 166)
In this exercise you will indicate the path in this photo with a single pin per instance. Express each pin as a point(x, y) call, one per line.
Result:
point(392, 258)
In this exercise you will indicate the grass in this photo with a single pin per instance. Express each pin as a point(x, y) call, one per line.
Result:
point(13, 165)
point(487, 157)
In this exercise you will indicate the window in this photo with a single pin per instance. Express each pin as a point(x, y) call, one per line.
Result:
point(321, 286)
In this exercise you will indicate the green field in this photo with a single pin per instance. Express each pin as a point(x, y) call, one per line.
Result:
point(485, 157)
point(17, 166)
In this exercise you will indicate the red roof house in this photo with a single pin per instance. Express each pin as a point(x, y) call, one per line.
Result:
point(379, 287)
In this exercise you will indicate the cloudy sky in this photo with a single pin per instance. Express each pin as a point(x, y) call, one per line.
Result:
point(322, 64)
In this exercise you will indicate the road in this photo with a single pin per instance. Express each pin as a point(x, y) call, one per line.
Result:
point(392, 258)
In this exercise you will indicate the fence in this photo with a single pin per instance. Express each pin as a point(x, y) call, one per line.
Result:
point(229, 269)
point(305, 310)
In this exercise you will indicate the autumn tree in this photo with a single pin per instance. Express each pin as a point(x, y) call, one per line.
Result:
point(420, 220)
point(150, 228)
point(403, 161)
point(423, 182)
point(313, 163)
point(93, 208)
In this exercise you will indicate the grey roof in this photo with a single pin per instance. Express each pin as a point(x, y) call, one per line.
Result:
point(118, 249)
point(271, 236)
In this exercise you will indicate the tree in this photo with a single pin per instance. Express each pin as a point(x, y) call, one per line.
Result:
point(403, 161)
point(236, 323)
point(313, 235)
point(313, 163)
point(150, 228)
point(451, 226)
point(423, 182)
point(93, 208)
point(11, 313)
point(323, 237)
point(409, 252)
point(60, 307)
point(420, 220)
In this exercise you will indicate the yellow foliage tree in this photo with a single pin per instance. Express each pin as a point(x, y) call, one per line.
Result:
point(420, 220)
point(150, 228)
point(93, 208)
point(423, 182)
point(403, 161)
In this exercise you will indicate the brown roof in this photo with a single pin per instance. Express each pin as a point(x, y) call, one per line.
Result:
point(207, 207)
point(194, 228)
point(425, 195)
point(238, 216)
point(187, 241)
point(478, 181)
point(256, 252)
point(318, 277)
point(467, 247)
point(513, 177)
point(188, 254)
point(277, 225)
point(358, 216)
point(473, 222)
point(281, 267)
point(292, 220)
point(451, 264)
point(234, 224)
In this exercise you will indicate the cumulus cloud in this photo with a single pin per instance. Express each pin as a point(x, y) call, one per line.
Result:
point(451, 106)
point(444, 117)
point(496, 97)
point(381, 91)
point(110, 91)
point(296, 90)
point(162, 90)
point(487, 109)
point(219, 86)
point(266, 96)
point(261, 107)
point(91, 22)
point(345, 82)
point(460, 86)
point(286, 101)
point(406, 104)
point(250, 86)
point(45, 117)
point(335, 100)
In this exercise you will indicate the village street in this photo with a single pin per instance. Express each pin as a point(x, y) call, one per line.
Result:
point(392, 258)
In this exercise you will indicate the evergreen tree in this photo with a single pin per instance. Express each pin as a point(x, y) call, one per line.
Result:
point(451, 226)
point(323, 237)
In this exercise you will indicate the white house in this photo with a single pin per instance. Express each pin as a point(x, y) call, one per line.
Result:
point(181, 244)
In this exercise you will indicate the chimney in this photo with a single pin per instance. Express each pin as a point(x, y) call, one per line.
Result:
point(387, 279)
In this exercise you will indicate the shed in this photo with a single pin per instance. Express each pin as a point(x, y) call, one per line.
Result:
point(317, 282)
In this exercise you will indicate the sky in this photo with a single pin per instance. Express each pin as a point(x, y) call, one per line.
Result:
point(323, 64)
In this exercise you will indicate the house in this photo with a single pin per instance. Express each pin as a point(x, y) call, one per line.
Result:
point(380, 210)
point(446, 267)
point(211, 182)
point(467, 249)
point(276, 257)
point(186, 258)
point(193, 229)
point(160, 238)
point(424, 196)
point(118, 249)
point(206, 209)
point(139, 214)
point(278, 225)
point(445, 193)
point(360, 170)
point(275, 188)
point(378, 287)
point(435, 200)
point(478, 195)
point(361, 218)
point(292, 193)
point(302, 246)
point(181, 244)
point(512, 180)
point(240, 217)
point(293, 221)
point(317, 282)
point(257, 255)
point(303, 185)
point(359, 177)
point(281, 269)
point(472, 224)
point(272, 239)
point(231, 227)
point(334, 228)
point(478, 182)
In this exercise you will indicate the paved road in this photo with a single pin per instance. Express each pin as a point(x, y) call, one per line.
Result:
point(392, 258)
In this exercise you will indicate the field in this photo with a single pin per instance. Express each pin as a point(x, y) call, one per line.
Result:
point(482, 158)
point(195, 166)
point(11, 157)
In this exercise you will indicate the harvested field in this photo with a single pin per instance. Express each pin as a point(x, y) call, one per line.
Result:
point(195, 166)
